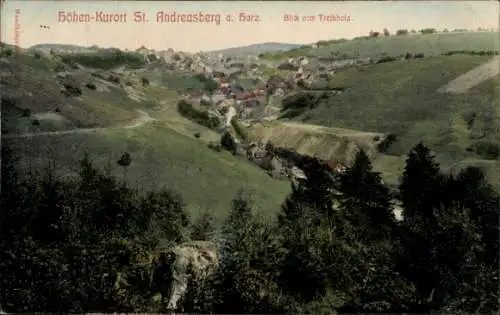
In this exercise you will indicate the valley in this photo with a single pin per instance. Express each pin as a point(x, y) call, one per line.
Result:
point(341, 176)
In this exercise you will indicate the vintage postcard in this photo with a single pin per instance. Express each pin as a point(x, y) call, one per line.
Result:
point(235, 157)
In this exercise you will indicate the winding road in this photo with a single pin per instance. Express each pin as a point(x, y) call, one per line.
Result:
point(141, 120)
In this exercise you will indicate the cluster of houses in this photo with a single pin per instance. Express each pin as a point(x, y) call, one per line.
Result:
point(232, 94)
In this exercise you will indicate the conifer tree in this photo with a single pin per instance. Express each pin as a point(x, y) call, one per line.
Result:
point(420, 184)
point(305, 223)
point(203, 229)
point(419, 189)
point(366, 201)
point(248, 259)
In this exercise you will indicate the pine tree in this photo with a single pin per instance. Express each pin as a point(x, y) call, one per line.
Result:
point(366, 201)
point(306, 225)
point(315, 191)
point(420, 188)
point(473, 191)
point(420, 184)
point(240, 215)
point(449, 236)
point(248, 259)
point(203, 229)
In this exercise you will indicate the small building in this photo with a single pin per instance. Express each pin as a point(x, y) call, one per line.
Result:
point(244, 96)
point(236, 89)
point(251, 103)
point(196, 95)
point(216, 97)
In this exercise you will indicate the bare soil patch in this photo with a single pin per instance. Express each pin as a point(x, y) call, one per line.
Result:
point(474, 77)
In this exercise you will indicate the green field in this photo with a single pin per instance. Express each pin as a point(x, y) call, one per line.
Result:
point(164, 152)
point(401, 97)
point(428, 44)
point(207, 180)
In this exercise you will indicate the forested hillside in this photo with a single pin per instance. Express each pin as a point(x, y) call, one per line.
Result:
point(91, 244)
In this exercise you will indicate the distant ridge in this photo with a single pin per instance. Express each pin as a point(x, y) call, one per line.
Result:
point(65, 48)
point(256, 49)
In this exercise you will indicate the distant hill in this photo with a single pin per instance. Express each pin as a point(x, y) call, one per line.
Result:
point(64, 48)
point(362, 47)
point(256, 49)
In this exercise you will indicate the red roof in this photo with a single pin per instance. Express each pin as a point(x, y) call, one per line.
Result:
point(244, 96)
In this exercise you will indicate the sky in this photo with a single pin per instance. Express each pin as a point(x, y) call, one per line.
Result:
point(23, 28)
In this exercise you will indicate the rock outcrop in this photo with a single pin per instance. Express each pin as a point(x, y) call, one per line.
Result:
point(186, 263)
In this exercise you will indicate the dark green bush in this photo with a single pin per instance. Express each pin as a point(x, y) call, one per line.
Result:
point(472, 52)
point(26, 112)
point(386, 59)
point(215, 147)
point(487, 149)
point(114, 79)
point(202, 118)
point(105, 59)
point(227, 142)
point(91, 86)
point(385, 144)
point(72, 90)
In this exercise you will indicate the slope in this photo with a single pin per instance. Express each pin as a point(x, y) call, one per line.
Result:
point(256, 49)
point(163, 150)
point(402, 98)
point(427, 44)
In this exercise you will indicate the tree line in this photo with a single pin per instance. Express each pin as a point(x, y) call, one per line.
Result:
point(67, 243)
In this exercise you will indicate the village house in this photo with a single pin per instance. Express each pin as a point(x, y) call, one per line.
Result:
point(218, 96)
point(233, 91)
point(279, 92)
point(244, 97)
point(223, 83)
point(225, 103)
point(218, 75)
point(247, 107)
point(196, 95)
point(251, 103)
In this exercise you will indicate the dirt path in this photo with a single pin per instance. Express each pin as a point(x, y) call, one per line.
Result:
point(474, 77)
point(143, 119)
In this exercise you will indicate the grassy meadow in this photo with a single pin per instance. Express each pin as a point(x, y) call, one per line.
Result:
point(207, 180)
point(164, 152)
point(402, 98)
